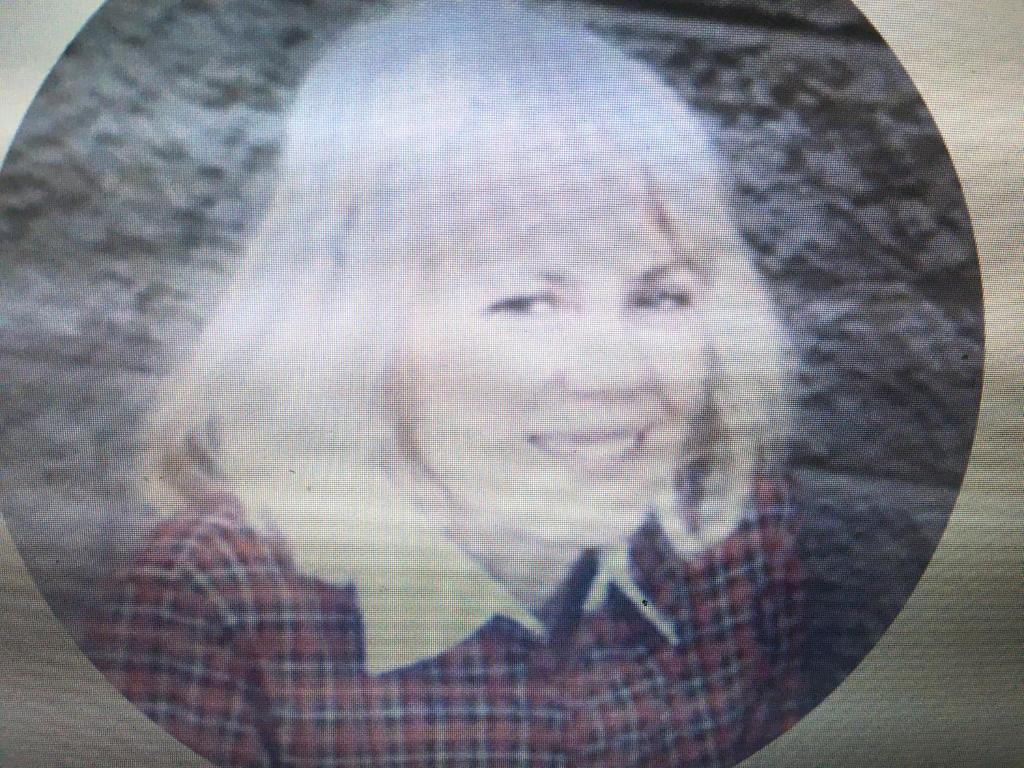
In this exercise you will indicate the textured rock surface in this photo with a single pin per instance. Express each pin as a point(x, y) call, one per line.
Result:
point(151, 148)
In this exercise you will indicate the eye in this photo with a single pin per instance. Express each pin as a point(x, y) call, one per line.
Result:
point(533, 304)
point(662, 299)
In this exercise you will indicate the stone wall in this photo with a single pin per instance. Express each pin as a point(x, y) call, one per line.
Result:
point(151, 148)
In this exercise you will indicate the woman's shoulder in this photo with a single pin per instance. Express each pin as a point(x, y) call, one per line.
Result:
point(209, 557)
point(209, 554)
point(211, 534)
point(775, 498)
point(765, 536)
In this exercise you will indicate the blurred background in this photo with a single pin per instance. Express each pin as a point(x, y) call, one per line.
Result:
point(126, 195)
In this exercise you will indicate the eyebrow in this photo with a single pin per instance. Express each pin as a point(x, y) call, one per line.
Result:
point(651, 274)
point(658, 271)
point(554, 278)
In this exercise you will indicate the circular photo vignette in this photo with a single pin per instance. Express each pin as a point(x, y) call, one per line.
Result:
point(155, 156)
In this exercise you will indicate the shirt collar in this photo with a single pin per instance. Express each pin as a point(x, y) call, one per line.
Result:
point(419, 593)
point(438, 596)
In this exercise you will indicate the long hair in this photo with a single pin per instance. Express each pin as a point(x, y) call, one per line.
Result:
point(404, 118)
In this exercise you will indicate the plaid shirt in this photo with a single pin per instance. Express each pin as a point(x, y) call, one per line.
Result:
point(216, 637)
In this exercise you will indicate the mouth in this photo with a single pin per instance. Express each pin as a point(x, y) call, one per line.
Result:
point(598, 448)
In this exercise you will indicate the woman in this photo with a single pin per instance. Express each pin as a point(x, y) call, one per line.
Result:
point(470, 466)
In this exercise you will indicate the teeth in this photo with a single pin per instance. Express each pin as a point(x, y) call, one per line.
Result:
point(586, 446)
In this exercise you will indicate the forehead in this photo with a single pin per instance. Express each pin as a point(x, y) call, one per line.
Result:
point(539, 218)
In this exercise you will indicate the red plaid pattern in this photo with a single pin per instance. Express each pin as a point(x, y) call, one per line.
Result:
point(216, 637)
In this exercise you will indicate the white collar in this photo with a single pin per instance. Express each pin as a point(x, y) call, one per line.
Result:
point(439, 596)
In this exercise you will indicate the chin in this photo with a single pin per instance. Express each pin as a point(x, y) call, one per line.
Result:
point(551, 504)
point(585, 517)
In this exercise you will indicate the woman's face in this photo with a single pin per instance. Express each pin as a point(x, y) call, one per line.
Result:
point(553, 377)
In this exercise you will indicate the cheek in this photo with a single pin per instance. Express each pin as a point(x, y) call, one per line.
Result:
point(461, 394)
point(682, 369)
point(487, 364)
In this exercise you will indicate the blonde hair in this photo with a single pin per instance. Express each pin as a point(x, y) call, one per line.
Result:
point(400, 119)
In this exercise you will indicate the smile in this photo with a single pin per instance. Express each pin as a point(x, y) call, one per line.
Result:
point(599, 447)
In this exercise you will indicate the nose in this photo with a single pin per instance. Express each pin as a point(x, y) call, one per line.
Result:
point(592, 395)
point(604, 363)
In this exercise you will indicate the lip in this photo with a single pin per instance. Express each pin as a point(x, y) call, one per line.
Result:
point(599, 447)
